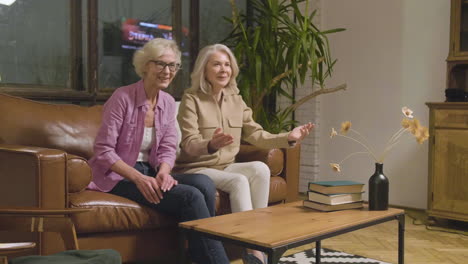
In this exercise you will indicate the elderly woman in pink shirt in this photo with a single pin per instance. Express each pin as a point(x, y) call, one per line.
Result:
point(135, 149)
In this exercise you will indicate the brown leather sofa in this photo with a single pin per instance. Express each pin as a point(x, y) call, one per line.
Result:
point(43, 153)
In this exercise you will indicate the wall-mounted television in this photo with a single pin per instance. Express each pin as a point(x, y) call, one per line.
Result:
point(128, 34)
point(136, 33)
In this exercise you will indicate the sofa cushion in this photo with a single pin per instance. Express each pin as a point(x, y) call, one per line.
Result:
point(112, 213)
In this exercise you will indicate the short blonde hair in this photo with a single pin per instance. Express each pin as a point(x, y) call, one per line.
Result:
point(198, 73)
point(152, 50)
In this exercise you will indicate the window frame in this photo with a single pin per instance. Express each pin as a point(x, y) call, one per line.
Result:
point(92, 93)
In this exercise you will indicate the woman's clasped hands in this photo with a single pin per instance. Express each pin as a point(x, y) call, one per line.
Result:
point(152, 188)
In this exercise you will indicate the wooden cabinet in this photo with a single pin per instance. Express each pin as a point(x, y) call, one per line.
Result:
point(458, 30)
point(457, 60)
point(448, 129)
point(448, 161)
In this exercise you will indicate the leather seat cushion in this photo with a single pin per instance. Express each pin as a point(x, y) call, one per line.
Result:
point(112, 213)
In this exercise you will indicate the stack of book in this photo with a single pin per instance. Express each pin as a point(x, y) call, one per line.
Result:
point(334, 195)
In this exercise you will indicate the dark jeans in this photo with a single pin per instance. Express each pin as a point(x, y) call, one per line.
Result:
point(193, 198)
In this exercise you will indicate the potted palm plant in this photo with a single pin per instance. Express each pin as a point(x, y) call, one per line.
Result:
point(277, 46)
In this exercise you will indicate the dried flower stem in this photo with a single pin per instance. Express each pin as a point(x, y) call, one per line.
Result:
point(363, 138)
point(362, 144)
point(354, 153)
point(396, 136)
point(391, 143)
point(389, 147)
point(421, 134)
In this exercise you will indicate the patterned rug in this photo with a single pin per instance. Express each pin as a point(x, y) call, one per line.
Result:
point(327, 256)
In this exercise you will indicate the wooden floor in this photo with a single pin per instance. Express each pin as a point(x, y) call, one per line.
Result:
point(422, 246)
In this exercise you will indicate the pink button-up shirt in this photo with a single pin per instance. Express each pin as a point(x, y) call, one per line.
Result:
point(121, 134)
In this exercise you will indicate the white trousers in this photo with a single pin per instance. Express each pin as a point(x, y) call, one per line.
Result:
point(247, 183)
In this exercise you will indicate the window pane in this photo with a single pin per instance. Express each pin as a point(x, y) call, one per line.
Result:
point(83, 74)
point(35, 45)
point(213, 27)
point(124, 26)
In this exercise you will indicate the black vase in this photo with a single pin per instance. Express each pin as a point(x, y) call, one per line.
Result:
point(378, 189)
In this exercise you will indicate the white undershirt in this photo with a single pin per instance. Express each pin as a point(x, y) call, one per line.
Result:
point(146, 144)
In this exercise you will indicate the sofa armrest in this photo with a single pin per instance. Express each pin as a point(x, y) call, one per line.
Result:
point(32, 176)
point(282, 162)
point(79, 173)
point(292, 165)
point(274, 158)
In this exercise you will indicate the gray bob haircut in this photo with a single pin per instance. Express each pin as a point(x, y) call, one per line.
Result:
point(198, 74)
point(152, 50)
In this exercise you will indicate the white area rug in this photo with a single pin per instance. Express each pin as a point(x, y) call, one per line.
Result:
point(327, 256)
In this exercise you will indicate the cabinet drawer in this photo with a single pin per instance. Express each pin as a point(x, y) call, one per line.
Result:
point(451, 118)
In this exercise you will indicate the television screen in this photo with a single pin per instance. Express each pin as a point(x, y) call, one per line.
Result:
point(128, 34)
point(136, 33)
point(120, 40)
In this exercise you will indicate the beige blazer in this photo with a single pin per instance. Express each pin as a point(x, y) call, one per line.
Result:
point(199, 115)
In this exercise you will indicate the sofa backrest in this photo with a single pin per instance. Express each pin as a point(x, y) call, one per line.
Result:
point(67, 127)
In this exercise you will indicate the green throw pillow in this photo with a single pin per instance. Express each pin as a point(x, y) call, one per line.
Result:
point(100, 256)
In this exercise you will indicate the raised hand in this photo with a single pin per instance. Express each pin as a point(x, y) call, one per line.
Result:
point(219, 140)
point(298, 133)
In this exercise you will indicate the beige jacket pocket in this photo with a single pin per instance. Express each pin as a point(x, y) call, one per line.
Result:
point(235, 129)
point(207, 128)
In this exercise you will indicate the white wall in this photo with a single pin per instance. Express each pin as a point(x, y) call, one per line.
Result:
point(391, 55)
point(309, 163)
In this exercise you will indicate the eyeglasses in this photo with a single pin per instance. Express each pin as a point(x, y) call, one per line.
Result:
point(161, 65)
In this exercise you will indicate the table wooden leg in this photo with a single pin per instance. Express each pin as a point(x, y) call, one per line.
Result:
point(42, 220)
point(68, 234)
point(65, 227)
point(318, 250)
point(401, 239)
point(275, 255)
point(62, 225)
point(3, 260)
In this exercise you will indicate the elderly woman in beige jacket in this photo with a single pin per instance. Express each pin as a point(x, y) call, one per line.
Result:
point(214, 119)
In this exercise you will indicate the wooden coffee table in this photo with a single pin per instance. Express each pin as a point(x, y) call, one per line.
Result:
point(276, 229)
